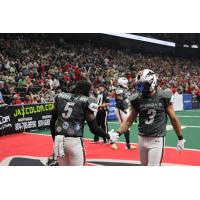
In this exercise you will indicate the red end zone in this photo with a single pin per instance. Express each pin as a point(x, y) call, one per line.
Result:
point(25, 144)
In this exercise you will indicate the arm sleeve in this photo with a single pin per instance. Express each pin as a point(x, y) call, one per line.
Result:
point(168, 98)
point(120, 104)
point(95, 129)
point(53, 121)
point(92, 123)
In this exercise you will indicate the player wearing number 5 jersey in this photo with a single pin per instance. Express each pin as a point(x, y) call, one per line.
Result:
point(153, 106)
point(67, 124)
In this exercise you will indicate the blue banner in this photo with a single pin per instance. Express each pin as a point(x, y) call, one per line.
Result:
point(111, 114)
point(1, 98)
point(195, 102)
point(187, 101)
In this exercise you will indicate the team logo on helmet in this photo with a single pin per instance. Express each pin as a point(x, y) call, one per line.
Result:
point(146, 81)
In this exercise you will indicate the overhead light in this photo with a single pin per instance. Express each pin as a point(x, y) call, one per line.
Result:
point(194, 46)
point(142, 38)
point(186, 46)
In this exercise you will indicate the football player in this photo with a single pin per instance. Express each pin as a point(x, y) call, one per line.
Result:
point(67, 123)
point(153, 106)
point(121, 98)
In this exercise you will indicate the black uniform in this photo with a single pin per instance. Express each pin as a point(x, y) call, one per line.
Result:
point(68, 117)
point(102, 114)
point(71, 110)
point(152, 112)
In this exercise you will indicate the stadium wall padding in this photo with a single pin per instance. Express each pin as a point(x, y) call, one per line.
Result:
point(20, 118)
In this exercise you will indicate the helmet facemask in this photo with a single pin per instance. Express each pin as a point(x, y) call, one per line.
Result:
point(146, 81)
point(143, 87)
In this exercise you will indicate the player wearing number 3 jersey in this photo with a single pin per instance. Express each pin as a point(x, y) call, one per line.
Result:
point(153, 106)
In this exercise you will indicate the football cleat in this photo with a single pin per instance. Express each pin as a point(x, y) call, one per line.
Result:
point(52, 161)
point(130, 146)
point(114, 146)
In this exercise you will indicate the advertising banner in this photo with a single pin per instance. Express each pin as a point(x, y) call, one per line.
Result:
point(19, 118)
point(178, 102)
point(187, 101)
point(195, 102)
point(111, 114)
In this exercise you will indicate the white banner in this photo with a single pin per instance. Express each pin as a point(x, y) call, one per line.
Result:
point(178, 102)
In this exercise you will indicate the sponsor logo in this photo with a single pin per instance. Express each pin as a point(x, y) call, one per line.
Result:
point(70, 131)
point(58, 129)
point(77, 127)
point(33, 109)
point(4, 120)
point(65, 125)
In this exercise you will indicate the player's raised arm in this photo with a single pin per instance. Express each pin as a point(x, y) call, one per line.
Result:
point(177, 127)
point(126, 124)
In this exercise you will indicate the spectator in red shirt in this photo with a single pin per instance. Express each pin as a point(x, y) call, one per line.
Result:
point(17, 99)
point(173, 89)
point(77, 74)
point(67, 77)
point(189, 90)
point(198, 94)
point(42, 69)
point(66, 67)
point(41, 82)
point(28, 100)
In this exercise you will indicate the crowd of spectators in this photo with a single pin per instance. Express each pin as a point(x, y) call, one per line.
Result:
point(33, 70)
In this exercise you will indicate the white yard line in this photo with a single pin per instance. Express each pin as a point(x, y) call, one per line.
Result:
point(185, 116)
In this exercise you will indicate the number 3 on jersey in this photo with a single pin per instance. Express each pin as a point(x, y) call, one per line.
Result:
point(151, 114)
point(68, 110)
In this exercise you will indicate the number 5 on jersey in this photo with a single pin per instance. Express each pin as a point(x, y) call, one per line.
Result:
point(68, 110)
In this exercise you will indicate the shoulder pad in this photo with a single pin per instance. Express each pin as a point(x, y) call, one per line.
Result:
point(166, 94)
point(83, 98)
point(92, 104)
point(133, 97)
point(64, 95)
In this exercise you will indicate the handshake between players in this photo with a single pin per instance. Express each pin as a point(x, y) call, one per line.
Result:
point(151, 104)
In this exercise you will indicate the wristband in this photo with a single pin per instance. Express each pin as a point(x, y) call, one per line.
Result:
point(180, 137)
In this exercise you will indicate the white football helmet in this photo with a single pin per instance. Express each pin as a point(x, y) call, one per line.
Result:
point(123, 82)
point(146, 81)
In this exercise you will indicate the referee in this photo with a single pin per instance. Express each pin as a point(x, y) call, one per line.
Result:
point(103, 102)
